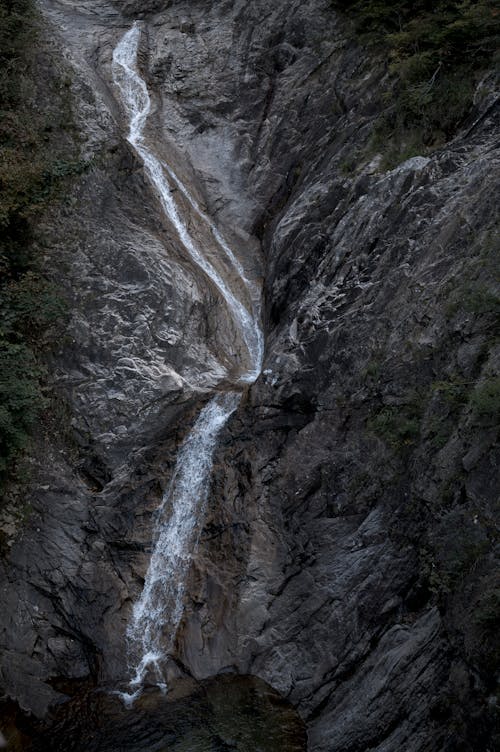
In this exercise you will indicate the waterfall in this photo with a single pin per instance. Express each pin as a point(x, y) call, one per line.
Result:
point(158, 612)
point(137, 102)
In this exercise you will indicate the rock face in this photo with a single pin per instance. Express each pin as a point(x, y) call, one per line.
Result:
point(355, 487)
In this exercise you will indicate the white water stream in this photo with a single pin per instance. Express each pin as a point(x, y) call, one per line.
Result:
point(136, 99)
point(158, 612)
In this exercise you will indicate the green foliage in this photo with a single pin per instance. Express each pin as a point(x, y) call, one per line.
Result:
point(29, 307)
point(453, 395)
point(476, 298)
point(485, 399)
point(434, 51)
point(488, 609)
point(348, 165)
point(450, 396)
point(440, 431)
point(453, 392)
point(372, 370)
point(21, 399)
point(423, 33)
point(474, 290)
point(457, 544)
point(398, 426)
point(17, 32)
point(480, 301)
point(33, 170)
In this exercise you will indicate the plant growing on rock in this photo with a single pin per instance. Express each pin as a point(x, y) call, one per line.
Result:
point(436, 53)
point(34, 162)
point(485, 399)
point(397, 425)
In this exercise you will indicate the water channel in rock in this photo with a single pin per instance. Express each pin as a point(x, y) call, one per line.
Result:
point(157, 614)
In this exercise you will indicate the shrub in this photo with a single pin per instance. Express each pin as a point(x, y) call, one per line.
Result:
point(449, 397)
point(453, 392)
point(457, 545)
point(372, 369)
point(33, 168)
point(434, 51)
point(485, 399)
point(398, 426)
point(21, 399)
point(17, 32)
point(30, 306)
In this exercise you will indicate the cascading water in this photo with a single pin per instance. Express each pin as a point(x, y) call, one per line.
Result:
point(157, 614)
point(137, 102)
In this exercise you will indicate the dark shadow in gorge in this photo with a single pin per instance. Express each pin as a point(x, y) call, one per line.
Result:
point(237, 713)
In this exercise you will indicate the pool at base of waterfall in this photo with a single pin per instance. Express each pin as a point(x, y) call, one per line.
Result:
point(226, 713)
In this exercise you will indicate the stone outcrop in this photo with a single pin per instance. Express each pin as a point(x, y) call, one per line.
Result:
point(355, 486)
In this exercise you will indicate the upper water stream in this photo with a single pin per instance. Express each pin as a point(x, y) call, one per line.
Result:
point(137, 102)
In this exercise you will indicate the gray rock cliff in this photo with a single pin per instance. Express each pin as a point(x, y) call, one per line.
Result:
point(351, 483)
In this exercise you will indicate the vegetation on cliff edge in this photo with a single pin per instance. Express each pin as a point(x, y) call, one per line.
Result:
point(35, 158)
point(436, 52)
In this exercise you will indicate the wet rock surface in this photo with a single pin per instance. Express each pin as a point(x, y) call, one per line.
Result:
point(356, 472)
